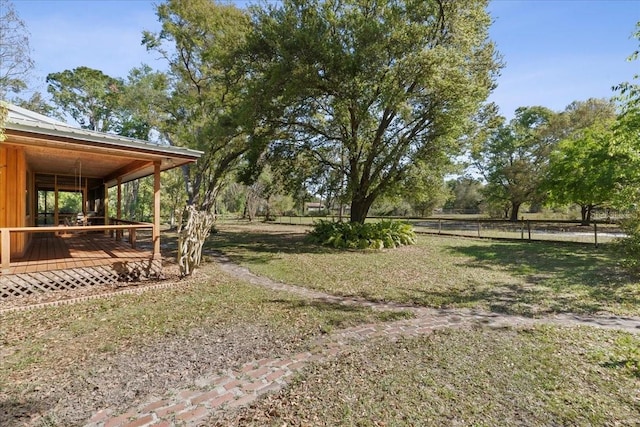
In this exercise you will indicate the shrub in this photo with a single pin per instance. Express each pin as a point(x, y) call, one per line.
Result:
point(353, 235)
point(629, 246)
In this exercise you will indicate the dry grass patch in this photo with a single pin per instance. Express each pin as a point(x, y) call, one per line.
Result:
point(115, 352)
point(508, 377)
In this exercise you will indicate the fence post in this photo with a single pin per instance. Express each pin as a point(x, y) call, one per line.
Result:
point(522, 229)
point(529, 228)
point(439, 226)
point(595, 233)
point(479, 228)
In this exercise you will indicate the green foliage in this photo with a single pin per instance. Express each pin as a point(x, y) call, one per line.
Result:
point(199, 39)
point(69, 202)
point(629, 247)
point(586, 167)
point(3, 119)
point(142, 102)
point(627, 132)
point(88, 95)
point(465, 195)
point(391, 206)
point(354, 235)
point(424, 187)
point(368, 89)
point(38, 104)
point(130, 107)
point(513, 157)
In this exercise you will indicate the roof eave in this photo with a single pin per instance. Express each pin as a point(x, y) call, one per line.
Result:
point(106, 140)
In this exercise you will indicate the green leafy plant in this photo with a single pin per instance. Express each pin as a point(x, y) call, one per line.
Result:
point(629, 247)
point(353, 235)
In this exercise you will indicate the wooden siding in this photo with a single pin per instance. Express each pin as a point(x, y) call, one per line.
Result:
point(13, 188)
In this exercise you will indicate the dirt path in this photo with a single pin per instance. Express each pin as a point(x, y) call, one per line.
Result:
point(234, 388)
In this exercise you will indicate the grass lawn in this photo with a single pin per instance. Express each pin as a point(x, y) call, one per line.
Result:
point(486, 377)
point(117, 351)
point(64, 363)
point(527, 278)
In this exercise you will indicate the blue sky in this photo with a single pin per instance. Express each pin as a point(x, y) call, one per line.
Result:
point(556, 51)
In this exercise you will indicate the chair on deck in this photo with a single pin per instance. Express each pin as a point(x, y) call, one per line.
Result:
point(81, 219)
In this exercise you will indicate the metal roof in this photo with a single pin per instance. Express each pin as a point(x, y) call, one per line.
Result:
point(21, 119)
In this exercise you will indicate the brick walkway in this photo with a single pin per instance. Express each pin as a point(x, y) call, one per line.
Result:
point(237, 388)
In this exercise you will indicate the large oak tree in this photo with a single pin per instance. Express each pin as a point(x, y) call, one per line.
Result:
point(368, 88)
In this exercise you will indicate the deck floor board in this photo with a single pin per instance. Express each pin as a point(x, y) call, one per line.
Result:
point(56, 252)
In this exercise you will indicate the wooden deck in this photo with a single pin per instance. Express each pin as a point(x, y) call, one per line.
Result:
point(69, 261)
point(57, 252)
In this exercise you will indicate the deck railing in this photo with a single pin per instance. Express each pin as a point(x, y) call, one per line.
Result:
point(5, 235)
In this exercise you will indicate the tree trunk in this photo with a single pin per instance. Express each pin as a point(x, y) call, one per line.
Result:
point(360, 209)
point(585, 211)
point(267, 216)
point(515, 209)
point(188, 184)
point(193, 231)
point(131, 199)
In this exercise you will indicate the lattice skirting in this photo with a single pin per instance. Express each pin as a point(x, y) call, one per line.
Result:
point(15, 285)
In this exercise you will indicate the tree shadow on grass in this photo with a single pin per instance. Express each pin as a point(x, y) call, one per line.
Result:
point(14, 412)
point(339, 315)
point(504, 298)
point(571, 277)
point(243, 246)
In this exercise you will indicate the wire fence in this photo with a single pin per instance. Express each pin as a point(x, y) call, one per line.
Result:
point(530, 229)
point(555, 230)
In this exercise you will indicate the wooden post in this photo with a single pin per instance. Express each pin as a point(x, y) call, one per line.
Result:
point(132, 238)
point(529, 228)
point(85, 198)
point(522, 229)
point(106, 209)
point(156, 211)
point(56, 217)
point(5, 256)
point(478, 228)
point(439, 226)
point(595, 233)
point(119, 208)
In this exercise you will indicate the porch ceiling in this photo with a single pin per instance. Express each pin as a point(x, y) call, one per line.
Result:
point(108, 164)
point(65, 162)
point(53, 147)
point(50, 154)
